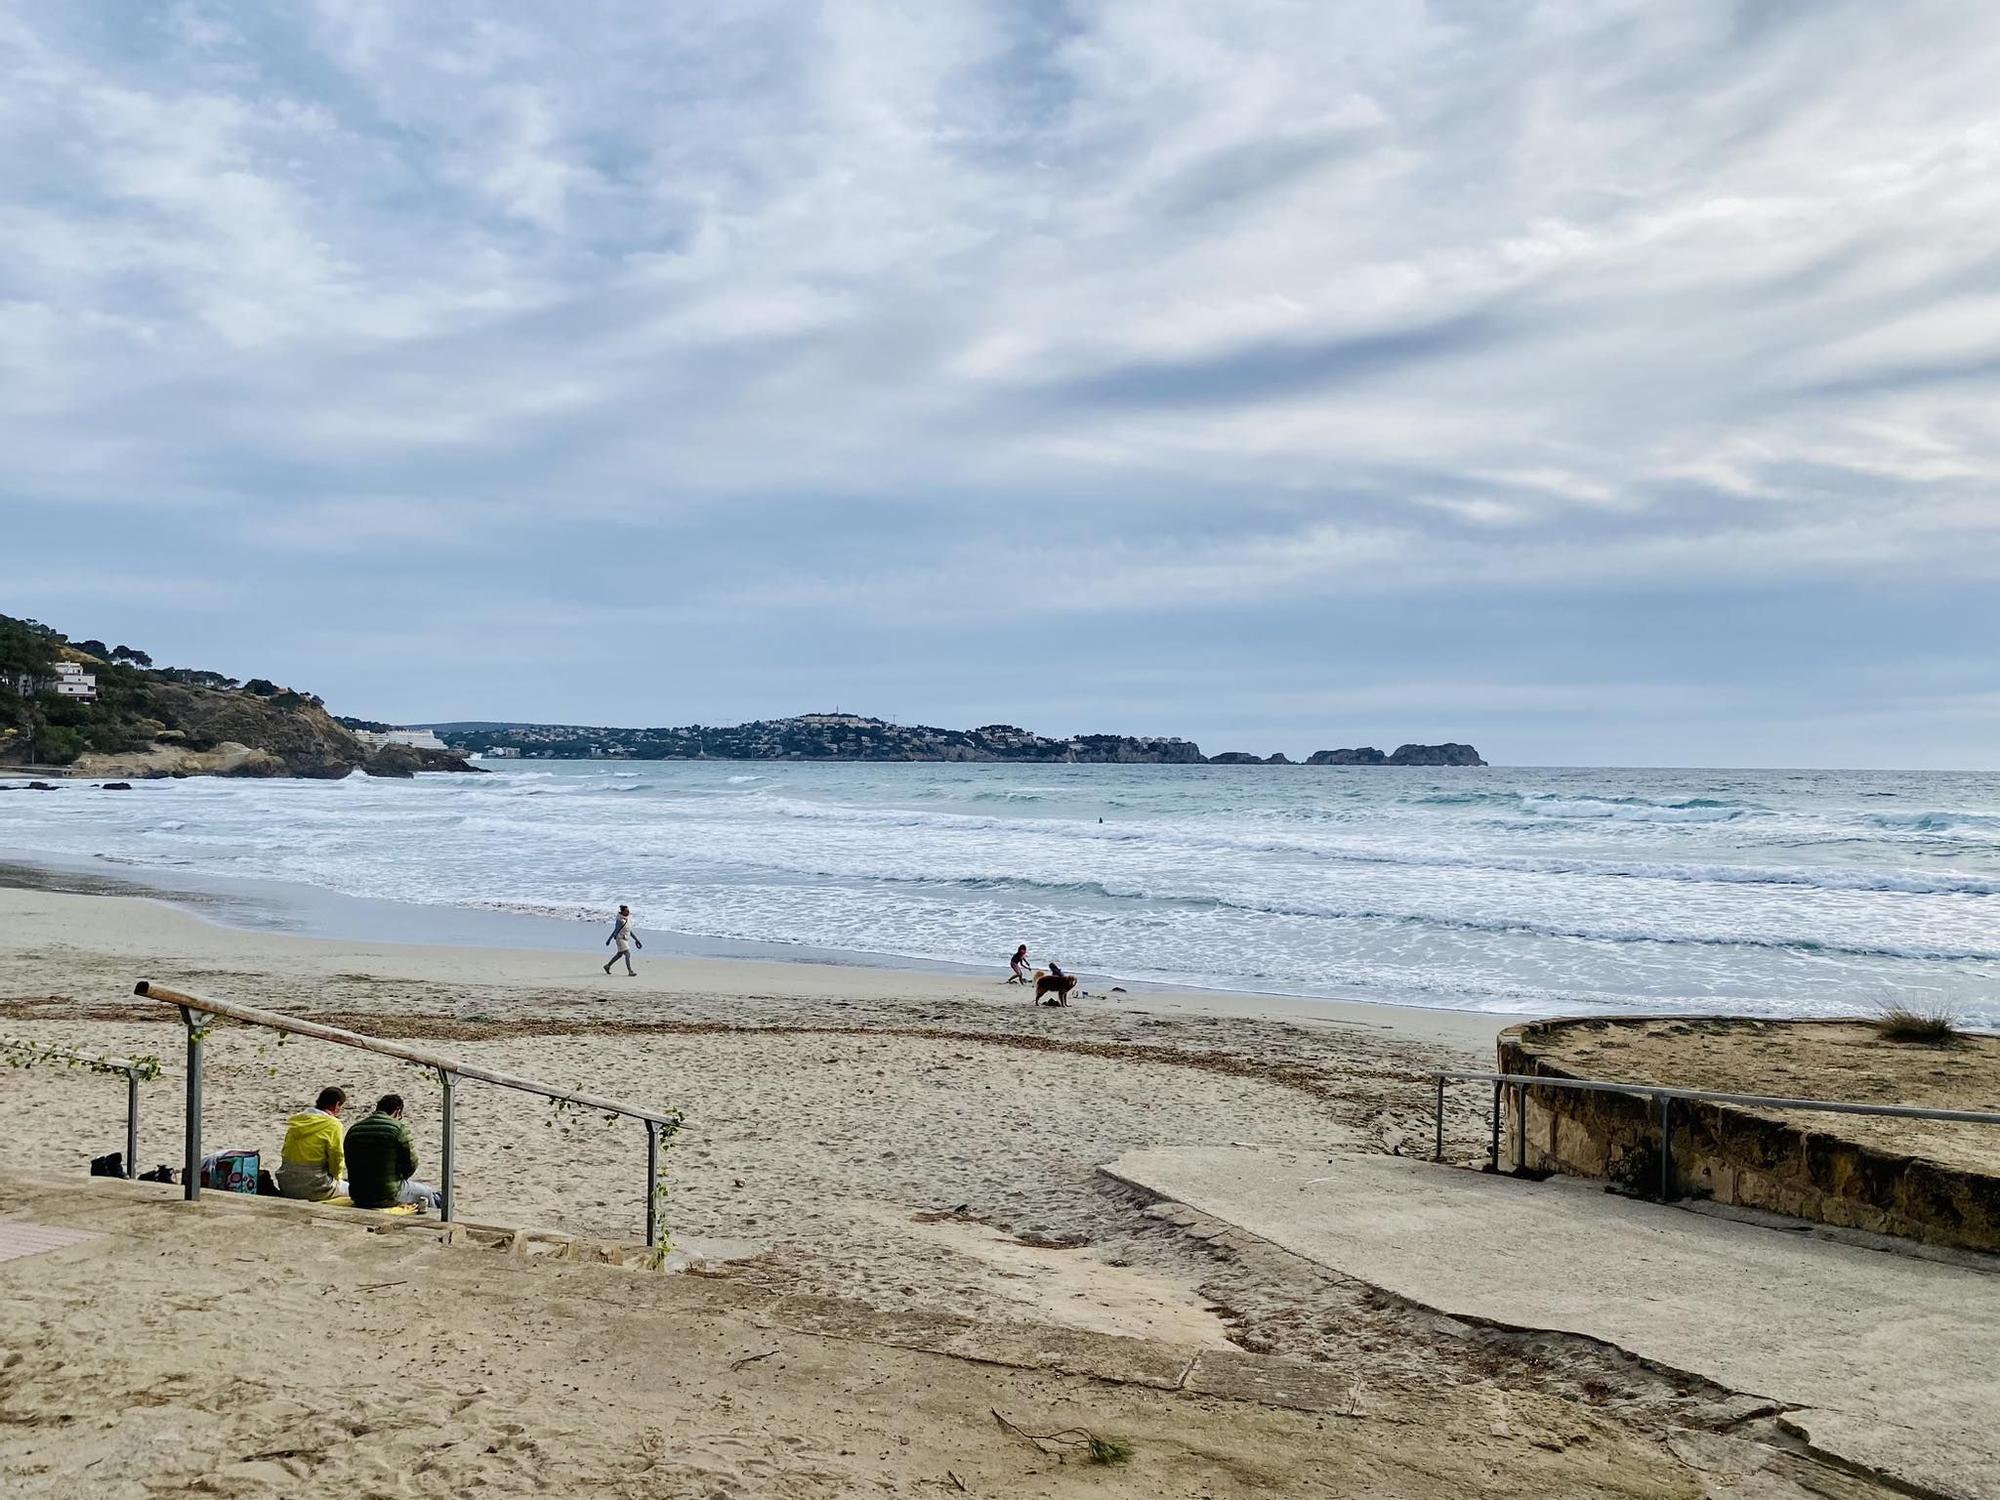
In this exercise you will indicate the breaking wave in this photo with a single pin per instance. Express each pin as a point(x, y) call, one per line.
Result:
point(1774, 891)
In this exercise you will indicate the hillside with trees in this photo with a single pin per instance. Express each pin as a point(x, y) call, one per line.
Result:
point(147, 720)
point(826, 736)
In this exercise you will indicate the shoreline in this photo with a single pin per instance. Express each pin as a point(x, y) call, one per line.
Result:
point(304, 928)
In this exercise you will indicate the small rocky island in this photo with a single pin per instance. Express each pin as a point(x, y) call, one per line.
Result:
point(1448, 754)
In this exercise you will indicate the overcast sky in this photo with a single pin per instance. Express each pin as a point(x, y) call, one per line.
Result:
point(1599, 383)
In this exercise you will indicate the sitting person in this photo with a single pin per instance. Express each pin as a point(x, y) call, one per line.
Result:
point(381, 1158)
point(1018, 970)
point(311, 1161)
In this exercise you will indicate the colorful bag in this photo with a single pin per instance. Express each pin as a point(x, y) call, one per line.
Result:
point(231, 1171)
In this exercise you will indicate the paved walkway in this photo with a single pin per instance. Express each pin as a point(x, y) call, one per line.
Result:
point(1894, 1360)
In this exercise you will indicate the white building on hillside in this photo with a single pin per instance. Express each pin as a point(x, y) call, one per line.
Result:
point(417, 739)
point(73, 682)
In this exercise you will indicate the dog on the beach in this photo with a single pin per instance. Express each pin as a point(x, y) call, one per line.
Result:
point(1057, 984)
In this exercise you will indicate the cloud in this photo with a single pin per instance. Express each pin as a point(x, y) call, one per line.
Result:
point(1193, 311)
point(1270, 368)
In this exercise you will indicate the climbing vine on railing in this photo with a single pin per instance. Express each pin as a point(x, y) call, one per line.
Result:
point(563, 1109)
point(20, 1053)
point(657, 1257)
point(267, 1045)
point(267, 1049)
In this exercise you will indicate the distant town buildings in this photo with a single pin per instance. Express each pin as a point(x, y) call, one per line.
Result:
point(816, 736)
point(843, 736)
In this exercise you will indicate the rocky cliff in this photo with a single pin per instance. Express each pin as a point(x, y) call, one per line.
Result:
point(205, 732)
point(289, 741)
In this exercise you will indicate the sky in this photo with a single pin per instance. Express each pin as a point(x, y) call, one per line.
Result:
point(1599, 383)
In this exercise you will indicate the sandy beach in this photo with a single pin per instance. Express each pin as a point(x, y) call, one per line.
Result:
point(911, 1157)
point(827, 1106)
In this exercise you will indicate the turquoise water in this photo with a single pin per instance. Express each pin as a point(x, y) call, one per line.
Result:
point(1500, 889)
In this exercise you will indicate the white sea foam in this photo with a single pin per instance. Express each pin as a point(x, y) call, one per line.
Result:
point(1508, 890)
point(1637, 810)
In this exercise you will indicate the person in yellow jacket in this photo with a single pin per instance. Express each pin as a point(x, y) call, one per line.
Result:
point(313, 1162)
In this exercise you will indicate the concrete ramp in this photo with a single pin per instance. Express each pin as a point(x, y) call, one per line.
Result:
point(1892, 1360)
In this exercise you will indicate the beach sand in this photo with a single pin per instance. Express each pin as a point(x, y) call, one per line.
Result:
point(832, 1111)
point(906, 1145)
point(242, 1349)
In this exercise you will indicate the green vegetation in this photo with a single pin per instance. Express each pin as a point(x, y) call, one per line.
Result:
point(1109, 1450)
point(136, 705)
point(38, 726)
point(1902, 1022)
point(18, 1052)
point(1094, 1447)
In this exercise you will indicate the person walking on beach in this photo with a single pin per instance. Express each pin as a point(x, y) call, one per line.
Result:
point(1018, 970)
point(624, 939)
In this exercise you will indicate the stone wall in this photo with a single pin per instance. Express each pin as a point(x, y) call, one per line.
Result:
point(1735, 1155)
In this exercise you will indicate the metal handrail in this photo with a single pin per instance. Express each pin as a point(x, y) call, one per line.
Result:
point(132, 1071)
point(1666, 1095)
point(448, 1069)
point(1768, 1101)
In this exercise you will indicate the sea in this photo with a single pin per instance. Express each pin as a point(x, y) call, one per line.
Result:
point(1509, 890)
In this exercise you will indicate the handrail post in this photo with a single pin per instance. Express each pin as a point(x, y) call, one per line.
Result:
point(1666, 1148)
point(1521, 1128)
point(445, 1080)
point(1494, 1151)
point(652, 1184)
point(1437, 1154)
point(191, 1141)
point(131, 1124)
